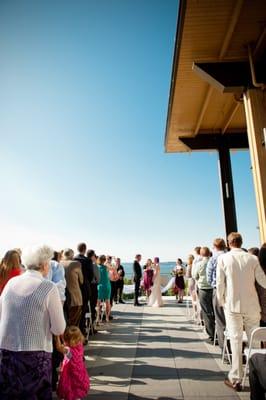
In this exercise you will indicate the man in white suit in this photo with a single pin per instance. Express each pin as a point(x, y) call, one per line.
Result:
point(237, 272)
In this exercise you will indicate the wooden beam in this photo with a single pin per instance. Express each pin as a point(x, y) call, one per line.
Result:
point(255, 109)
point(203, 109)
point(215, 141)
point(230, 116)
point(226, 76)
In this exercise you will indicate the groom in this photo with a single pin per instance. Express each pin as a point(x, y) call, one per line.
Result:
point(137, 277)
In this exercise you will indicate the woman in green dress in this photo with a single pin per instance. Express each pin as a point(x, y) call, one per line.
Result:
point(104, 288)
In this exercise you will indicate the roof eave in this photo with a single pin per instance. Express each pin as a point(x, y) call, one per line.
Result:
point(179, 32)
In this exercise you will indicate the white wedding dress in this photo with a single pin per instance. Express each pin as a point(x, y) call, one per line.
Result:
point(155, 299)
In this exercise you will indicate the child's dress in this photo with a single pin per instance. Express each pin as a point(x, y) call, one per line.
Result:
point(74, 381)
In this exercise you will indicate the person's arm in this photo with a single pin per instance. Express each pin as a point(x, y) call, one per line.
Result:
point(134, 269)
point(209, 271)
point(260, 276)
point(195, 272)
point(55, 311)
point(220, 282)
point(96, 272)
point(59, 345)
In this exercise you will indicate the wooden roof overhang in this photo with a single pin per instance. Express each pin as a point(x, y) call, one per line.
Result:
point(211, 69)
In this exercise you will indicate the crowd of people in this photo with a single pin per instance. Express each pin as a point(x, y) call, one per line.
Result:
point(46, 298)
point(228, 291)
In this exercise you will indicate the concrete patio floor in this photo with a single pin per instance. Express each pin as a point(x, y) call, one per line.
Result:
point(155, 353)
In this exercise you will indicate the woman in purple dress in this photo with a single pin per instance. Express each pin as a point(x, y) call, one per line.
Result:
point(179, 279)
point(148, 277)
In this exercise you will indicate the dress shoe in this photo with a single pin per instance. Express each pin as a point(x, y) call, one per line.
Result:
point(122, 302)
point(236, 386)
point(137, 305)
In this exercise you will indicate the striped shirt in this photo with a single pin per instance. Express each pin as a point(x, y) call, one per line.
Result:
point(212, 268)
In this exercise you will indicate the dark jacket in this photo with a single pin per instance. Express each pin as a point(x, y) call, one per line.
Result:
point(137, 271)
point(87, 271)
point(86, 266)
point(121, 272)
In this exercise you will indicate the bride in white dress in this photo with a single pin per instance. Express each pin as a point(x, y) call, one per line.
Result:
point(155, 298)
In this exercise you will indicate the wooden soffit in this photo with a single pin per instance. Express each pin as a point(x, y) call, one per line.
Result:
point(210, 31)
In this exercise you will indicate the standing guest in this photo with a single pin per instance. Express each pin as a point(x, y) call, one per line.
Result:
point(113, 276)
point(56, 274)
point(191, 284)
point(104, 289)
point(254, 251)
point(260, 290)
point(57, 256)
point(237, 272)
point(137, 277)
point(74, 381)
point(19, 251)
point(27, 303)
point(205, 293)
point(219, 247)
point(120, 281)
point(87, 272)
point(74, 279)
point(9, 268)
point(148, 277)
point(197, 256)
point(179, 279)
point(94, 283)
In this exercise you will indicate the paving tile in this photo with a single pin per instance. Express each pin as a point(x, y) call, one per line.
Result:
point(149, 370)
point(207, 388)
point(157, 389)
point(232, 396)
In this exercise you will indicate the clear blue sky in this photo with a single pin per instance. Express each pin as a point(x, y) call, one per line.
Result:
point(83, 105)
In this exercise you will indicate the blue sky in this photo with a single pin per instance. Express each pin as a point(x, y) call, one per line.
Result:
point(83, 105)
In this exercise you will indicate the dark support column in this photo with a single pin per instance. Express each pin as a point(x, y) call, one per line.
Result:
point(227, 189)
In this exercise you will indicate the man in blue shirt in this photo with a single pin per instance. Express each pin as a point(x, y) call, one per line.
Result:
point(219, 248)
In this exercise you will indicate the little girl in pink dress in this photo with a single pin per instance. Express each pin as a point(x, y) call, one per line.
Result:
point(74, 381)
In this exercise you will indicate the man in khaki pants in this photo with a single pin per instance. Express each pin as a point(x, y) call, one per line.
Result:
point(237, 272)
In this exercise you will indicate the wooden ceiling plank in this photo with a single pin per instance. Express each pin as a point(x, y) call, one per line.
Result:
point(230, 117)
point(225, 45)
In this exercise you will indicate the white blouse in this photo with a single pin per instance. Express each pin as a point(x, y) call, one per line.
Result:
point(30, 312)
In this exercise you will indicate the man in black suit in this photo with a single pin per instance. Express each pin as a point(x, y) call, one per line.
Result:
point(87, 271)
point(137, 277)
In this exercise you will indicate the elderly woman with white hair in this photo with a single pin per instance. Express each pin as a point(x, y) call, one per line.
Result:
point(30, 312)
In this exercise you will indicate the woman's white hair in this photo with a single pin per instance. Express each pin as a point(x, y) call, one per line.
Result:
point(36, 257)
